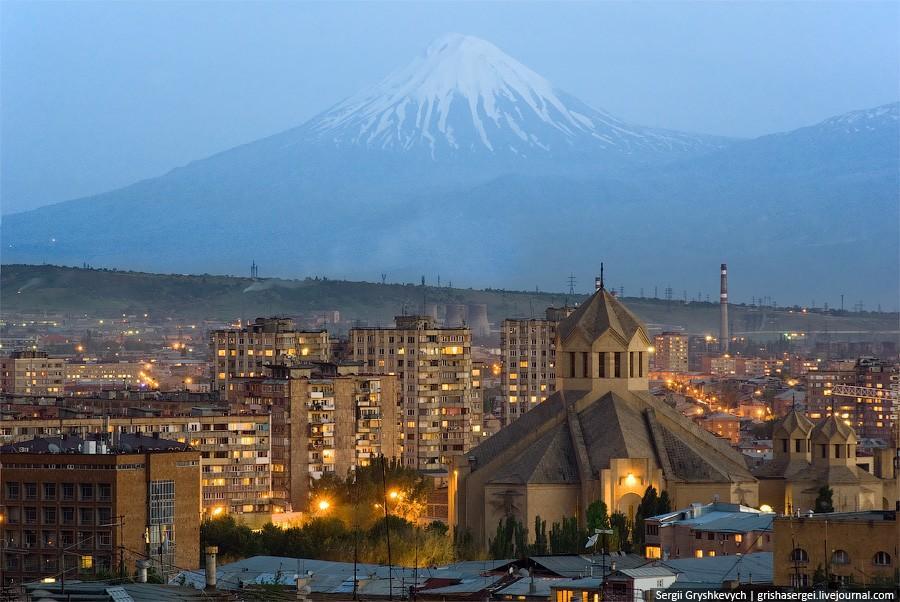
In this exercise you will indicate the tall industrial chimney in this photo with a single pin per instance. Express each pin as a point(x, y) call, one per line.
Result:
point(723, 305)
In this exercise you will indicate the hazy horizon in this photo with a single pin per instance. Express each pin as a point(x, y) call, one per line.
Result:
point(97, 96)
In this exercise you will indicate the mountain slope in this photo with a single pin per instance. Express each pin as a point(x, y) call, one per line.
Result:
point(468, 164)
point(465, 94)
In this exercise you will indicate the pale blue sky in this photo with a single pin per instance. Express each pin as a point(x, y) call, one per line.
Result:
point(97, 95)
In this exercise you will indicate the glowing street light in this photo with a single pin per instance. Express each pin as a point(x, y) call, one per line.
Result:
point(324, 505)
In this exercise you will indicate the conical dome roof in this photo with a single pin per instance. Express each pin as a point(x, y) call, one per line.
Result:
point(599, 314)
point(795, 421)
point(831, 429)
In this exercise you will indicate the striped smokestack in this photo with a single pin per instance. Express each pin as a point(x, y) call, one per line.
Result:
point(723, 305)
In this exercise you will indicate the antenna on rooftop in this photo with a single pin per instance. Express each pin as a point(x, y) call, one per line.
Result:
point(572, 281)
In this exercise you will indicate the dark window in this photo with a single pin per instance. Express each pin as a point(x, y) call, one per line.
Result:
point(784, 445)
point(49, 491)
point(586, 364)
point(12, 491)
point(86, 491)
point(631, 364)
point(617, 367)
point(104, 491)
point(49, 515)
point(641, 364)
point(66, 538)
point(837, 450)
point(30, 516)
point(85, 516)
point(104, 516)
point(882, 559)
point(710, 536)
point(68, 516)
point(68, 491)
point(602, 362)
point(571, 364)
point(30, 491)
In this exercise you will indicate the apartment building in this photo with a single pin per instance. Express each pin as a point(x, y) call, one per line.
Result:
point(706, 530)
point(440, 410)
point(108, 373)
point(235, 451)
point(870, 416)
point(529, 359)
point(670, 352)
point(841, 548)
point(75, 508)
point(243, 352)
point(326, 418)
point(31, 372)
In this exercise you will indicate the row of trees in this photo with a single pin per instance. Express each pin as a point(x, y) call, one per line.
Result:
point(511, 539)
point(348, 516)
point(331, 539)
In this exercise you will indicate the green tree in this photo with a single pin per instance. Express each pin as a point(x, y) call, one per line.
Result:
point(645, 509)
point(566, 537)
point(621, 526)
point(541, 543)
point(598, 518)
point(663, 504)
point(510, 540)
point(824, 501)
point(233, 540)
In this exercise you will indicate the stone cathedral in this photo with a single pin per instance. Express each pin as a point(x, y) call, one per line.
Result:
point(601, 435)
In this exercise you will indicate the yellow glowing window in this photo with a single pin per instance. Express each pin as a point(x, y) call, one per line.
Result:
point(513, 375)
point(248, 440)
point(304, 351)
point(698, 554)
point(87, 563)
point(270, 352)
point(221, 353)
point(738, 538)
point(221, 375)
point(249, 352)
point(653, 552)
point(523, 364)
point(476, 428)
point(711, 553)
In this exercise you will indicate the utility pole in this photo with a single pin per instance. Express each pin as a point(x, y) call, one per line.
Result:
point(387, 526)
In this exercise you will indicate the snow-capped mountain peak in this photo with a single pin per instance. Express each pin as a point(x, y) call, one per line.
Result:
point(465, 94)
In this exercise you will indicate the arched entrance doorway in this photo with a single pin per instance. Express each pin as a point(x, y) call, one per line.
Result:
point(628, 504)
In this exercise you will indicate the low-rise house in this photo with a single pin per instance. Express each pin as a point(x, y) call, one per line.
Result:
point(708, 530)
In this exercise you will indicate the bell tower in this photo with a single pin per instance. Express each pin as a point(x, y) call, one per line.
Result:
point(602, 346)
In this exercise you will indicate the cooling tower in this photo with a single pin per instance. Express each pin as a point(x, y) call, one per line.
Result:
point(478, 319)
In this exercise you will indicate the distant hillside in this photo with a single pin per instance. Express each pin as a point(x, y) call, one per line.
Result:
point(28, 288)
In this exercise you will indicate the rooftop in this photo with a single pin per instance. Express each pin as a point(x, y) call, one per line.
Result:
point(125, 443)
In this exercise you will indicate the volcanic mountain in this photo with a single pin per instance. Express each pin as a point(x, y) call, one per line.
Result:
point(465, 154)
